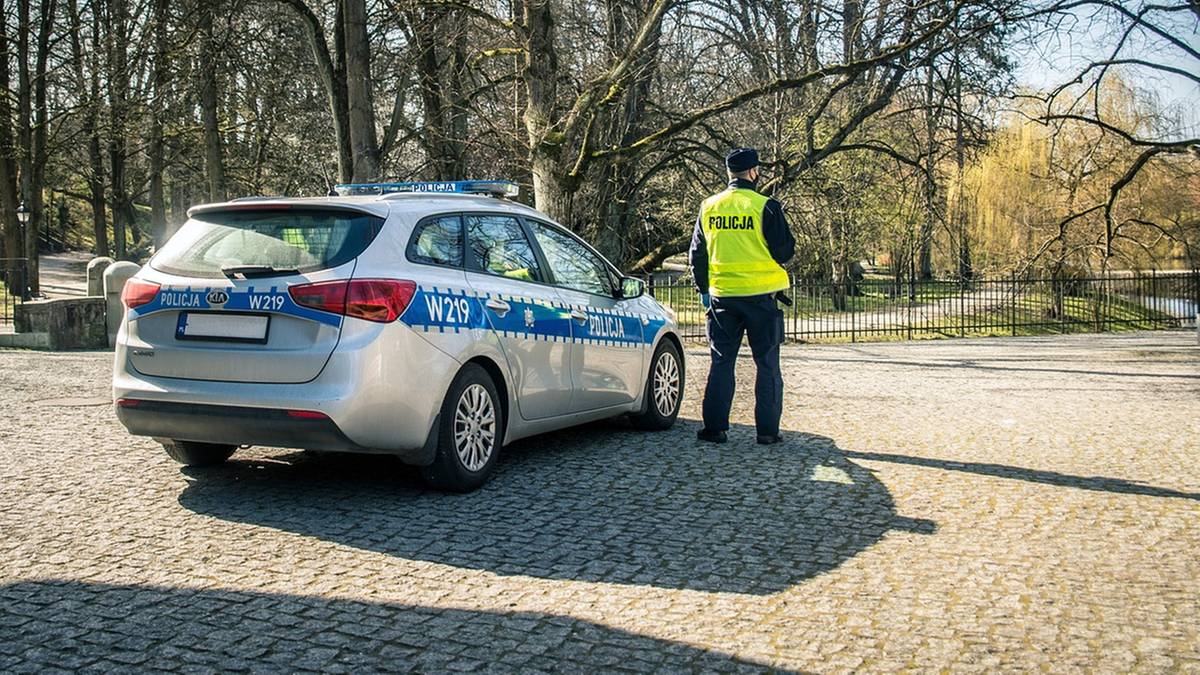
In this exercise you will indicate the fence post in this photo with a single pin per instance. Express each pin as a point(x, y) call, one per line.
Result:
point(1104, 301)
point(1154, 296)
point(795, 304)
point(850, 308)
point(909, 302)
point(1012, 290)
point(962, 306)
point(1196, 301)
point(1061, 299)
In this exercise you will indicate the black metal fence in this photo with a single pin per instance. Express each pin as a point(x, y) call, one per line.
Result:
point(883, 309)
point(13, 287)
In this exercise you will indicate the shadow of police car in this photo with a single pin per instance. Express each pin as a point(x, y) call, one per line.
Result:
point(74, 624)
point(597, 503)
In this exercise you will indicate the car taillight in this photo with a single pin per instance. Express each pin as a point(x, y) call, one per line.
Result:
point(380, 300)
point(307, 415)
point(137, 293)
point(327, 296)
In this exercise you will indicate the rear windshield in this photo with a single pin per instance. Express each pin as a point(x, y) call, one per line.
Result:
point(303, 240)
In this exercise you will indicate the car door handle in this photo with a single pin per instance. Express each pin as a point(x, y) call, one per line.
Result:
point(500, 307)
point(579, 315)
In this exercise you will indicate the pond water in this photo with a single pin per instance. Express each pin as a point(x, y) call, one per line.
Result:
point(1182, 308)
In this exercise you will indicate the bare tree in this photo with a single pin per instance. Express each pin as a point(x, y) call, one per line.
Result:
point(1077, 100)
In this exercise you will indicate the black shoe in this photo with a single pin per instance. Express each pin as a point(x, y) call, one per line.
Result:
point(711, 436)
point(770, 440)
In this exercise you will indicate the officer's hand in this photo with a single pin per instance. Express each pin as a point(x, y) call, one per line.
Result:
point(706, 301)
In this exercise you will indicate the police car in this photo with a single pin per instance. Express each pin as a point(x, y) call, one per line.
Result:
point(431, 321)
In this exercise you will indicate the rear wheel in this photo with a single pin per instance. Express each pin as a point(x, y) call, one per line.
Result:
point(664, 389)
point(192, 453)
point(470, 434)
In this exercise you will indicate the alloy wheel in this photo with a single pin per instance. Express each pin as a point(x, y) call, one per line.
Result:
point(666, 384)
point(474, 427)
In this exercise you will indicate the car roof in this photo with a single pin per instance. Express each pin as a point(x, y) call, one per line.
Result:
point(415, 203)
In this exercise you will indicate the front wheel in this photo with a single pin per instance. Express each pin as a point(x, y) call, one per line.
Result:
point(664, 389)
point(192, 453)
point(471, 428)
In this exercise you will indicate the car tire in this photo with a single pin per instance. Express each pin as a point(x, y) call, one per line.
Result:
point(192, 453)
point(664, 389)
point(470, 434)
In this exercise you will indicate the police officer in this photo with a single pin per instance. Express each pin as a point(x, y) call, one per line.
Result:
point(739, 246)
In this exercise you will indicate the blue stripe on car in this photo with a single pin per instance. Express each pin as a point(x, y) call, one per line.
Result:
point(273, 301)
point(434, 309)
point(439, 309)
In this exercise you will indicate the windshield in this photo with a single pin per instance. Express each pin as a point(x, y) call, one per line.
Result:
point(284, 239)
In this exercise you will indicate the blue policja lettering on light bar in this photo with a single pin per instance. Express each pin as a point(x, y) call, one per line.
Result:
point(496, 188)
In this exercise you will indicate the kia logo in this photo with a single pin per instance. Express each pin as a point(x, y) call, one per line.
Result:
point(217, 297)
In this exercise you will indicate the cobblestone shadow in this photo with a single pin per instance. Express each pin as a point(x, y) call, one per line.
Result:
point(600, 503)
point(71, 625)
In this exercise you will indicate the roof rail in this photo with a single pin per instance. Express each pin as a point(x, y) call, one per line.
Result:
point(493, 188)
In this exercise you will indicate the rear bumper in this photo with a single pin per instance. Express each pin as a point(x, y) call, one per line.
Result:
point(236, 425)
point(252, 426)
point(232, 425)
point(380, 392)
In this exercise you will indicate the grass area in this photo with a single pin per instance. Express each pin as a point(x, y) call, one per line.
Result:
point(815, 299)
point(1033, 314)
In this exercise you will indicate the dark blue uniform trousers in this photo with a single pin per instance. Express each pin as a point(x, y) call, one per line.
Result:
point(759, 318)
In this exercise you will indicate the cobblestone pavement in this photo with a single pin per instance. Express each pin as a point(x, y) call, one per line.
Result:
point(970, 505)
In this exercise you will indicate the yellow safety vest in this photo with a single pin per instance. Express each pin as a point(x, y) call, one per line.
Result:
point(739, 262)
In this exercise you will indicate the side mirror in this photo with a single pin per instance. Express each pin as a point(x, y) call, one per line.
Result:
point(632, 288)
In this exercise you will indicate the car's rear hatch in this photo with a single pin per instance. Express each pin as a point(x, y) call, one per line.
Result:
point(225, 307)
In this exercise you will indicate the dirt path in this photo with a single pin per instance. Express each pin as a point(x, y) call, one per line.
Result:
point(64, 275)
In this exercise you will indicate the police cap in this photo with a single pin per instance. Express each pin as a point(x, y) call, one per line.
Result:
point(741, 159)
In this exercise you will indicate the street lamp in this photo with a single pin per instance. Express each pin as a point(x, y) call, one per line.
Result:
point(23, 216)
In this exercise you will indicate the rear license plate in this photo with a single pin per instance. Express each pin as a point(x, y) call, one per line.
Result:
point(223, 327)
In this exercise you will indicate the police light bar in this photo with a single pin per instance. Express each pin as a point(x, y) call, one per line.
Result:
point(495, 188)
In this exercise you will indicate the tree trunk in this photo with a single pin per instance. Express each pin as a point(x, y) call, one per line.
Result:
point(116, 26)
point(40, 155)
point(927, 225)
point(154, 149)
point(214, 162)
point(333, 76)
point(429, 80)
point(25, 143)
point(617, 195)
point(363, 140)
point(13, 244)
point(551, 193)
point(96, 161)
point(960, 158)
point(89, 91)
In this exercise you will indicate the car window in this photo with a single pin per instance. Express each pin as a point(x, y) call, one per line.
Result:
point(284, 238)
point(438, 241)
point(572, 264)
point(499, 246)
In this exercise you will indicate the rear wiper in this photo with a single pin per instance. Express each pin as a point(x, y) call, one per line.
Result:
point(251, 271)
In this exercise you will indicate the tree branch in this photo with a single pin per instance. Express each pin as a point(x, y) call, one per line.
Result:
point(778, 85)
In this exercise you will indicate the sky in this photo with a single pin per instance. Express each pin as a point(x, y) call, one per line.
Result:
point(1056, 56)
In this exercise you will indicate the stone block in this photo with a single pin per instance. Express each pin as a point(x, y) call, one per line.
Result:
point(114, 281)
point(95, 274)
point(68, 323)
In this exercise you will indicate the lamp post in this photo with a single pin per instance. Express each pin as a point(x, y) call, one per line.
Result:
point(23, 216)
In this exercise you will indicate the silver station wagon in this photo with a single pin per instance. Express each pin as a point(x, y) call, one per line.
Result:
point(431, 321)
